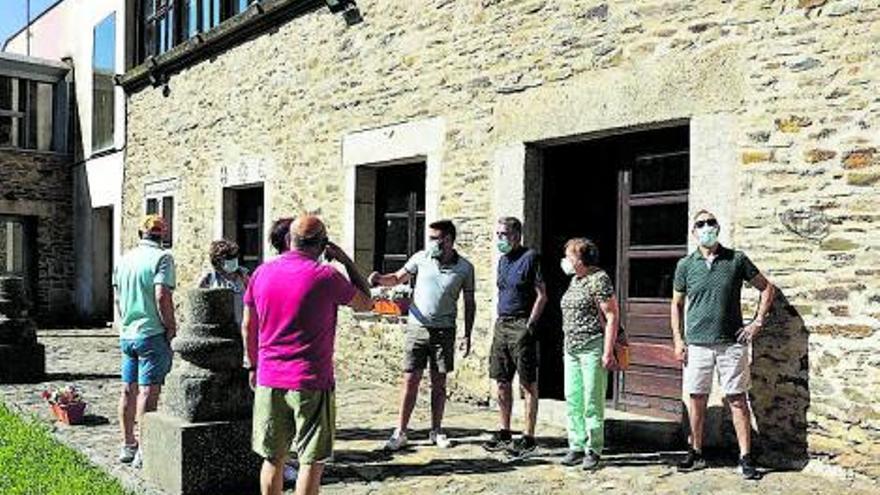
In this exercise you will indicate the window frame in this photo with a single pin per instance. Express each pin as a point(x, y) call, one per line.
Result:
point(111, 142)
point(160, 199)
point(412, 214)
point(25, 92)
point(178, 24)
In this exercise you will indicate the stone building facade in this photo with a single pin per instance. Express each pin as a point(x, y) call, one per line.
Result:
point(36, 188)
point(90, 37)
point(36, 184)
point(562, 113)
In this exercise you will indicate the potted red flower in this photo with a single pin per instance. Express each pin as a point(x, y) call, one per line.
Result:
point(67, 404)
point(392, 301)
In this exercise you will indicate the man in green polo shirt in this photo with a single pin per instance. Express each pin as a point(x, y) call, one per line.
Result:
point(711, 280)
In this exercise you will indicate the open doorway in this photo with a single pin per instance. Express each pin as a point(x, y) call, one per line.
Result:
point(102, 264)
point(628, 193)
point(243, 219)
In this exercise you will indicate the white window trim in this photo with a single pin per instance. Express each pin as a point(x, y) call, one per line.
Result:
point(159, 190)
point(420, 141)
point(242, 174)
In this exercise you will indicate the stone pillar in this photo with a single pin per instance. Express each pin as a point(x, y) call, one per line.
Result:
point(22, 358)
point(200, 439)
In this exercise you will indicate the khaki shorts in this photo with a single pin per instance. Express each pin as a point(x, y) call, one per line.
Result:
point(303, 417)
point(514, 350)
point(424, 346)
point(731, 361)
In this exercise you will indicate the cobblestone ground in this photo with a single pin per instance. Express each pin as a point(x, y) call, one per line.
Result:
point(366, 413)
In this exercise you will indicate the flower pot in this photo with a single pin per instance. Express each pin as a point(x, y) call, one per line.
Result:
point(398, 307)
point(69, 414)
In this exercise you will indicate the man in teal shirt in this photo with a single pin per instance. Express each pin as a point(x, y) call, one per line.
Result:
point(144, 280)
point(711, 280)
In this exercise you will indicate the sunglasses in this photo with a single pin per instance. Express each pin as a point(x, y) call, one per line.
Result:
point(711, 222)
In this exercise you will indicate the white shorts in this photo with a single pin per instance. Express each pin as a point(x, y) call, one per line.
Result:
point(731, 361)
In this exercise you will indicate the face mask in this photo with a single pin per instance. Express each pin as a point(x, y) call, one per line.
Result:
point(567, 267)
point(708, 236)
point(503, 246)
point(230, 266)
point(434, 249)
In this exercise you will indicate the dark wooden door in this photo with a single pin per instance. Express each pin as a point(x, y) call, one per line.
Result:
point(652, 238)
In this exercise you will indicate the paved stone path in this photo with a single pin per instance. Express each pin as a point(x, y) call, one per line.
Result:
point(366, 413)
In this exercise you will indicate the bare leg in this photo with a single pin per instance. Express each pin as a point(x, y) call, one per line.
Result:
point(272, 477)
point(126, 410)
point(438, 399)
point(530, 393)
point(409, 392)
point(697, 416)
point(147, 400)
point(309, 480)
point(505, 403)
point(742, 422)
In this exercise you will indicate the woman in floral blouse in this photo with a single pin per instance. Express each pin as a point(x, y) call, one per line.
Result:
point(589, 350)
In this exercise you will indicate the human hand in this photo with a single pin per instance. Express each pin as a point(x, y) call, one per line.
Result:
point(608, 359)
point(252, 379)
point(748, 333)
point(334, 252)
point(464, 345)
point(371, 279)
point(680, 352)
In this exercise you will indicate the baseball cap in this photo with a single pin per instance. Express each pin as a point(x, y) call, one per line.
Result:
point(153, 224)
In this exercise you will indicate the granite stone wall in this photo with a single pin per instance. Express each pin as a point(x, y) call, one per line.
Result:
point(37, 187)
point(794, 82)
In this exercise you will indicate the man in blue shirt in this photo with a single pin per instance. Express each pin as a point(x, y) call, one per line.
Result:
point(522, 296)
point(144, 280)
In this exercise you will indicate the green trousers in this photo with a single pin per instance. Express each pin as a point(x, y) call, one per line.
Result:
point(585, 383)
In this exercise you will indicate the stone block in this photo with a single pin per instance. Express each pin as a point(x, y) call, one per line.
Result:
point(186, 458)
point(195, 394)
point(22, 363)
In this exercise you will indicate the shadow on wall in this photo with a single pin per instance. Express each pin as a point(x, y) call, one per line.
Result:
point(780, 394)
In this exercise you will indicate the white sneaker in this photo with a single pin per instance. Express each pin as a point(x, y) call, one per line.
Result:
point(127, 453)
point(396, 442)
point(138, 461)
point(440, 439)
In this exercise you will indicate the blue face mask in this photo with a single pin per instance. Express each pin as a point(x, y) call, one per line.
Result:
point(434, 249)
point(708, 236)
point(230, 266)
point(503, 246)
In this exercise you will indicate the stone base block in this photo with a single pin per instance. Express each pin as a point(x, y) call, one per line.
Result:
point(199, 458)
point(22, 363)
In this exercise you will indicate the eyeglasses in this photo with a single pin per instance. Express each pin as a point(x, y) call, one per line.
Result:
point(711, 222)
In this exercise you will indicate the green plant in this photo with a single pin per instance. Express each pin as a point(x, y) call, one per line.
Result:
point(32, 462)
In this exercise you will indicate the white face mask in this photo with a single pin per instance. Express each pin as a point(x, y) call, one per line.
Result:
point(230, 266)
point(708, 236)
point(567, 266)
point(434, 249)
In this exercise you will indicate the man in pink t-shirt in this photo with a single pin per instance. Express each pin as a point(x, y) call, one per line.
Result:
point(289, 328)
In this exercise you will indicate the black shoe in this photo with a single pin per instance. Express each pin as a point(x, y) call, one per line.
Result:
point(747, 468)
point(522, 446)
point(572, 458)
point(501, 440)
point(591, 461)
point(693, 461)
